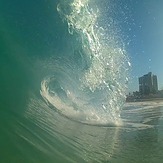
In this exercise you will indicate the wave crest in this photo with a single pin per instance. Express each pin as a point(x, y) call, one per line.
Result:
point(97, 92)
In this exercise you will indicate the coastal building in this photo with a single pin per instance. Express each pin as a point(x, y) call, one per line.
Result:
point(148, 84)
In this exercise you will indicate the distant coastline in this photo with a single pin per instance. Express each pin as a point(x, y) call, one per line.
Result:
point(144, 99)
point(148, 90)
point(136, 97)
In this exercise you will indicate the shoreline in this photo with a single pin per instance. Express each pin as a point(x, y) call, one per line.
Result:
point(144, 99)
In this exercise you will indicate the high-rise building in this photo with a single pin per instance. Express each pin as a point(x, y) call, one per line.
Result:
point(155, 84)
point(148, 84)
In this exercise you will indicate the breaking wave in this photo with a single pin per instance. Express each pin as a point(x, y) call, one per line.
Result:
point(89, 85)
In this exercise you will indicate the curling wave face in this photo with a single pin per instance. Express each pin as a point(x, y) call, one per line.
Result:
point(90, 87)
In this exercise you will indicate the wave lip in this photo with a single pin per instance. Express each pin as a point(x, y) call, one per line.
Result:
point(67, 104)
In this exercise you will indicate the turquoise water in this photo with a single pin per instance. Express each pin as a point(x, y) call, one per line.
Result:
point(63, 80)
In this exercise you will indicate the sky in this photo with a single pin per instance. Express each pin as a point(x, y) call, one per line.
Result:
point(140, 25)
point(144, 30)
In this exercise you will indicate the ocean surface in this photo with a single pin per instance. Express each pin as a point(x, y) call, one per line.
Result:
point(64, 70)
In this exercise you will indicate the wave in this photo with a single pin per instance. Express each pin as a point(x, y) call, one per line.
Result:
point(89, 85)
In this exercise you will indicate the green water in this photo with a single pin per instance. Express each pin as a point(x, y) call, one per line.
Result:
point(32, 131)
point(41, 135)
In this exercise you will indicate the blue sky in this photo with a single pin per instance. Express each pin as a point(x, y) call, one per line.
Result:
point(144, 30)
